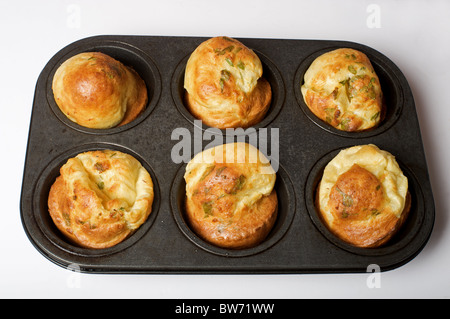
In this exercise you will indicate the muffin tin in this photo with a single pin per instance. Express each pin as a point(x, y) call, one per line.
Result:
point(299, 242)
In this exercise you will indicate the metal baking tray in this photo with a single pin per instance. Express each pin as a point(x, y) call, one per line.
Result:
point(298, 243)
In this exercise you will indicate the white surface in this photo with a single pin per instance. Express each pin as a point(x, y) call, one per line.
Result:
point(414, 34)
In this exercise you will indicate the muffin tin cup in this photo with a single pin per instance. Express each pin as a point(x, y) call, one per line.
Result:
point(271, 74)
point(45, 223)
point(391, 87)
point(285, 214)
point(299, 242)
point(131, 57)
point(407, 232)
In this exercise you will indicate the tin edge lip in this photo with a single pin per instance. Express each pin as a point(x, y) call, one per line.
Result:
point(58, 241)
point(174, 269)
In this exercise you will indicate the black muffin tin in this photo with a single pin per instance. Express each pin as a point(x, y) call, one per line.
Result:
point(299, 242)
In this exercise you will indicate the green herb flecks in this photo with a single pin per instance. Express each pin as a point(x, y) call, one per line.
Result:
point(224, 76)
point(66, 218)
point(347, 200)
point(344, 124)
point(223, 51)
point(241, 65)
point(229, 62)
point(220, 170)
point(375, 116)
point(207, 172)
point(101, 185)
point(207, 209)
point(352, 69)
point(239, 184)
point(228, 39)
point(346, 84)
point(375, 212)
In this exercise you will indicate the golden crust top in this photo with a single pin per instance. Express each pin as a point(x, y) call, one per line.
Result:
point(94, 90)
point(363, 196)
point(230, 196)
point(100, 198)
point(341, 88)
point(224, 84)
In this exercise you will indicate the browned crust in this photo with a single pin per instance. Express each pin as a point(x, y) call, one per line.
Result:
point(249, 230)
point(366, 235)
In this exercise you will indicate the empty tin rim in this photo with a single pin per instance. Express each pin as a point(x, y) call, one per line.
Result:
point(390, 86)
point(270, 73)
point(130, 56)
point(45, 222)
point(400, 240)
point(286, 211)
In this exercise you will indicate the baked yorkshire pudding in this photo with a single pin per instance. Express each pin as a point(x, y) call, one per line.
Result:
point(224, 84)
point(100, 198)
point(230, 196)
point(96, 91)
point(342, 89)
point(363, 196)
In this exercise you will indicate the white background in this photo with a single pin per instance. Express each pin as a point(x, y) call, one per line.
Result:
point(413, 34)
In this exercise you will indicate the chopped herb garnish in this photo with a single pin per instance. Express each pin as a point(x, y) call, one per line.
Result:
point(241, 65)
point(375, 212)
point(207, 209)
point(222, 52)
point(101, 185)
point(224, 76)
point(229, 61)
point(220, 170)
point(352, 69)
point(239, 184)
point(228, 39)
point(66, 218)
point(347, 200)
point(222, 196)
point(207, 172)
point(346, 84)
point(373, 118)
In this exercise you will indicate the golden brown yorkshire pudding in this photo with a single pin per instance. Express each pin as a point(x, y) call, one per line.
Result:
point(96, 91)
point(225, 84)
point(342, 89)
point(230, 196)
point(363, 196)
point(100, 198)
